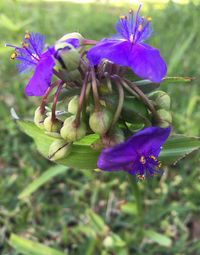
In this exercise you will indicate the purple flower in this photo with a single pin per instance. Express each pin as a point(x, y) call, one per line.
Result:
point(31, 57)
point(138, 155)
point(127, 48)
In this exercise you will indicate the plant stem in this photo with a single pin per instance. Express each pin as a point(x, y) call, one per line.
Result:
point(55, 99)
point(44, 98)
point(139, 205)
point(97, 105)
point(120, 101)
point(81, 100)
point(145, 99)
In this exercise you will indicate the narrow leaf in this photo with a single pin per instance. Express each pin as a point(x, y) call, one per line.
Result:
point(28, 247)
point(41, 180)
point(177, 147)
point(158, 238)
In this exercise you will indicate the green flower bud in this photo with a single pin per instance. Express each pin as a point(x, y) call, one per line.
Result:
point(68, 57)
point(59, 149)
point(73, 105)
point(72, 35)
point(115, 136)
point(39, 118)
point(162, 100)
point(70, 132)
point(52, 126)
point(100, 121)
point(166, 118)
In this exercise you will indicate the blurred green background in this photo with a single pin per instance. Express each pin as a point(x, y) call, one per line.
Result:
point(82, 212)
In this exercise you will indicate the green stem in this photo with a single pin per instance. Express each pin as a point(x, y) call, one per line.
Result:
point(139, 204)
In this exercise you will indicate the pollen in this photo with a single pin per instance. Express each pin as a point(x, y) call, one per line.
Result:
point(141, 177)
point(140, 27)
point(159, 164)
point(130, 11)
point(142, 160)
point(13, 55)
point(27, 35)
point(149, 19)
point(153, 157)
point(123, 17)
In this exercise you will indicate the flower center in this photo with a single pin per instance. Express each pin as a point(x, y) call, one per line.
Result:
point(142, 160)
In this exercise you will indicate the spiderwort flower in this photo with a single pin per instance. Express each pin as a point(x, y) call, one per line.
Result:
point(138, 155)
point(127, 48)
point(31, 57)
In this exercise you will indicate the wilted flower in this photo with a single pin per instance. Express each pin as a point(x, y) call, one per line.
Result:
point(127, 48)
point(138, 155)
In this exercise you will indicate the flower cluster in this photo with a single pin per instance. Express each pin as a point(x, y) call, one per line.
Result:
point(93, 93)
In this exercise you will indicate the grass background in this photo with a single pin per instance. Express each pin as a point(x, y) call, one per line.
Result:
point(61, 213)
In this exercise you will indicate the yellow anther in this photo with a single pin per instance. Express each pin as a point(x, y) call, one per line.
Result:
point(24, 45)
point(13, 55)
point(130, 11)
point(122, 17)
point(140, 28)
point(27, 35)
point(141, 177)
point(159, 164)
point(153, 157)
point(142, 160)
point(149, 19)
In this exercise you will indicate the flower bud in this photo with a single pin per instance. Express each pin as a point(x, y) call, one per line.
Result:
point(72, 35)
point(52, 126)
point(73, 105)
point(70, 132)
point(59, 149)
point(68, 57)
point(100, 121)
point(161, 99)
point(166, 118)
point(39, 118)
point(115, 136)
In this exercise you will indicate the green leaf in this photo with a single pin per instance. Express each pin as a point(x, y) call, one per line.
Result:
point(41, 180)
point(168, 80)
point(28, 247)
point(82, 155)
point(129, 208)
point(158, 238)
point(177, 147)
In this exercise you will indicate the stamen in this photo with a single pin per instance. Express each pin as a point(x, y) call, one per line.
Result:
point(149, 19)
point(13, 55)
point(142, 160)
point(153, 157)
point(122, 17)
point(27, 35)
point(140, 28)
point(141, 177)
point(159, 164)
point(131, 11)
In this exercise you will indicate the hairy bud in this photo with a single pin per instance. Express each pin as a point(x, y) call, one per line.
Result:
point(52, 126)
point(59, 149)
point(73, 105)
point(70, 132)
point(166, 118)
point(100, 121)
point(162, 100)
point(39, 118)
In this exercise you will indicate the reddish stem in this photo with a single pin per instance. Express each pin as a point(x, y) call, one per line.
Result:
point(44, 98)
point(55, 99)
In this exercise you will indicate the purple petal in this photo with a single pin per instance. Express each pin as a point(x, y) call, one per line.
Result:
point(114, 50)
point(125, 156)
point(146, 62)
point(42, 76)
